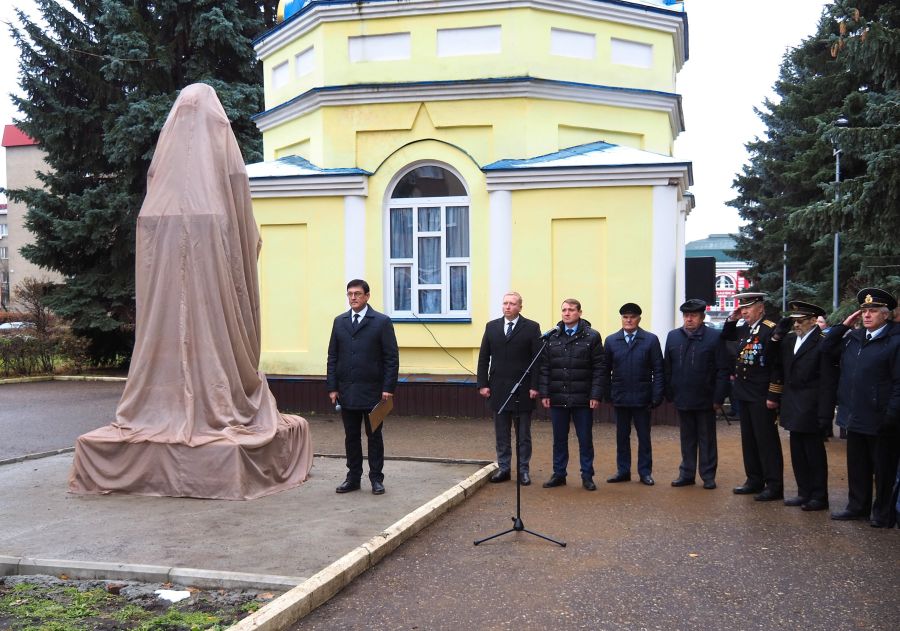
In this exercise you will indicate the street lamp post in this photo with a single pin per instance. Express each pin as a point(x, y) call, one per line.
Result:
point(840, 122)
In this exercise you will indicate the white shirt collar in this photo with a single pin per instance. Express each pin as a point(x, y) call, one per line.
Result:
point(877, 331)
point(362, 314)
point(800, 340)
point(514, 321)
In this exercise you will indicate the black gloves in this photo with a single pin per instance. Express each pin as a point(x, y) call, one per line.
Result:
point(783, 327)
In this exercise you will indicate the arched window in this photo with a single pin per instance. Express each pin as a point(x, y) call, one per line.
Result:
point(724, 282)
point(428, 243)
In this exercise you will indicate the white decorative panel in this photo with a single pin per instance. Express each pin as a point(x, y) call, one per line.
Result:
point(630, 53)
point(477, 40)
point(573, 44)
point(391, 46)
point(280, 75)
point(305, 62)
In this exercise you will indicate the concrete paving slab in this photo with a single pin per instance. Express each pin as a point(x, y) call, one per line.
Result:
point(293, 533)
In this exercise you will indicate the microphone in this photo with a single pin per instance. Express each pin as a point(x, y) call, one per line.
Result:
point(547, 334)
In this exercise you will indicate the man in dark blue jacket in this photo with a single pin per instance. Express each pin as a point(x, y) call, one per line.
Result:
point(571, 385)
point(363, 362)
point(696, 376)
point(634, 385)
point(869, 393)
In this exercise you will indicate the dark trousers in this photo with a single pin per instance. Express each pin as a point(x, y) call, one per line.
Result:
point(503, 429)
point(763, 461)
point(354, 420)
point(868, 457)
point(625, 416)
point(697, 429)
point(582, 418)
point(810, 464)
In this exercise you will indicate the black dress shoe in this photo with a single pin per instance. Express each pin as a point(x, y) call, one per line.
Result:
point(555, 480)
point(377, 488)
point(814, 505)
point(747, 489)
point(796, 501)
point(500, 476)
point(878, 524)
point(846, 515)
point(621, 476)
point(524, 479)
point(684, 482)
point(648, 480)
point(588, 484)
point(709, 485)
point(347, 486)
point(769, 495)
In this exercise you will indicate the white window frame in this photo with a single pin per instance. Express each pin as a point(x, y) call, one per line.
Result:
point(4, 253)
point(729, 279)
point(446, 262)
point(4, 230)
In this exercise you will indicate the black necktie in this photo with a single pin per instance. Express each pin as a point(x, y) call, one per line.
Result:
point(628, 338)
point(355, 319)
point(509, 327)
point(868, 337)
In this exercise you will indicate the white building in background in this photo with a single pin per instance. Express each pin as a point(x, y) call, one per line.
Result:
point(23, 160)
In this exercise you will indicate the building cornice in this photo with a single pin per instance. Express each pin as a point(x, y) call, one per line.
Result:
point(668, 174)
point(310, 186)
point(673, 22)
point(457, 90)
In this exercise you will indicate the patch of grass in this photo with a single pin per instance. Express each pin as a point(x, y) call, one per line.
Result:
point(175, 619)
point(130, 613)
point(250, 607)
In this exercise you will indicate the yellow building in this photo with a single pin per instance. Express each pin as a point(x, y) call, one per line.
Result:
point(450, 151)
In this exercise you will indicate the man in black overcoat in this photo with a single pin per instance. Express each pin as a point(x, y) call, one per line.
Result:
point(634, 385)
point(806, 403)
point(869, 397)
point(752, 384)
point(363, 363)
point(696, 378)
point(507, 348)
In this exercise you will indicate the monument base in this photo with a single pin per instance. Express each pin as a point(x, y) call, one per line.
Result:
point(226, 468)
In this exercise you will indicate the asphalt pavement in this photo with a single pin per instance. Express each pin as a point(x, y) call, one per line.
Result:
point(637, 557)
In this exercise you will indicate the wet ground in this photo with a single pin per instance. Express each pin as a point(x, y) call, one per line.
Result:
point(637, 557)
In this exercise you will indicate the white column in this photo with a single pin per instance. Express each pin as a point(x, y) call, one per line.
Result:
point(355, 237)
point(500, 250)
point(665, 261)
point(680, 239)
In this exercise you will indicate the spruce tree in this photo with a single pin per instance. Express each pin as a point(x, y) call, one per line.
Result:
point(787, 191)
point(98, 82)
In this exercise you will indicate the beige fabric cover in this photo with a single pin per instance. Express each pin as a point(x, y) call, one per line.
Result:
point(196, 418)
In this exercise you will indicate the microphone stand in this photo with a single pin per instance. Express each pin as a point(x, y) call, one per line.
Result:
point(518, 524)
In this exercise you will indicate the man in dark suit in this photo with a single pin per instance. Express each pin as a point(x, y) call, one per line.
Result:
point(752, 385)
point(869, 395)
point(696, 378)
point(806, 403)
point(363, 362)
point(634, 385)
point(507, 348)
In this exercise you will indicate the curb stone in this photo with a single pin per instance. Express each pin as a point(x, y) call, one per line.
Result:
point(319, 588)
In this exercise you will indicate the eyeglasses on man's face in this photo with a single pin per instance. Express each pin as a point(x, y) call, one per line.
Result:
point(355, 294)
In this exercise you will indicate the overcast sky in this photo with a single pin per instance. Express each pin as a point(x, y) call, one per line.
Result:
point(736, 47)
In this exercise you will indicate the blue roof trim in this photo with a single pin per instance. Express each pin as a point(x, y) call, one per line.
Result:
point(303, 163)
point(593, 86)
point(624, 3)
point(512, 164)
point(547, 157)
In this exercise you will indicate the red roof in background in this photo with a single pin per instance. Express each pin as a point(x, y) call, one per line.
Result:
point(14, 137)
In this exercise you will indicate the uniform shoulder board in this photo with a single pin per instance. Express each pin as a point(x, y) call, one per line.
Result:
point(822, 334)
point(769, 323)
